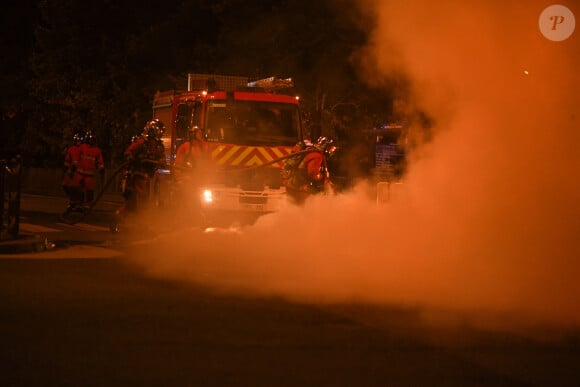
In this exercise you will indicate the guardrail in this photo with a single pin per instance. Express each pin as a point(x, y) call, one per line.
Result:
point(10, 173)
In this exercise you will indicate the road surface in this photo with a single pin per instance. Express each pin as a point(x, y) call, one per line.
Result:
point(85, 315)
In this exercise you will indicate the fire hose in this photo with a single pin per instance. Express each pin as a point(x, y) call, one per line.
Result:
point(103, 189)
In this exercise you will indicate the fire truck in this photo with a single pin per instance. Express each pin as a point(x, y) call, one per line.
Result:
point(250, 128)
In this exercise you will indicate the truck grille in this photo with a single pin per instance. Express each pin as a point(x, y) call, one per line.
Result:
point(253, 179)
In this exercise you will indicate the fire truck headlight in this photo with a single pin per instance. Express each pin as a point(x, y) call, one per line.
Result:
point(207, 196)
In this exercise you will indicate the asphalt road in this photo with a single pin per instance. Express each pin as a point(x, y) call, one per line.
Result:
point(83, 315)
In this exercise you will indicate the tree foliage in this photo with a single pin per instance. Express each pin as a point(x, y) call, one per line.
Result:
point(97, 65)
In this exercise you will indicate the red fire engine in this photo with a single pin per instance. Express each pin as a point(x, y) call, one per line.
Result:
point(249, 128)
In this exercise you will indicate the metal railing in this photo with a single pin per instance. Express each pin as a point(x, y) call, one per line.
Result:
point(10, 174)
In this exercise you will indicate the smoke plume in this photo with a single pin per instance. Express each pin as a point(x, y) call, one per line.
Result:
point(487, 218)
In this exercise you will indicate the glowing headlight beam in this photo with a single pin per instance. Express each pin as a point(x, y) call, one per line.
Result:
point(207, 196)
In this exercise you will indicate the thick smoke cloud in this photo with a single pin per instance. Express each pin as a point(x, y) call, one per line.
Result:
point(504, 169)
point(487, 218)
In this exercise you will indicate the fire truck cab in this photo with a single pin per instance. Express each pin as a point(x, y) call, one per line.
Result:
point(250, 127)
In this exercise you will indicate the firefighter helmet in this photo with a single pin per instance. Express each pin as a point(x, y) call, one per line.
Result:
point(77, 138)
point(325, 145)
point(90, 138)
point(193, 131)
point(154, 129)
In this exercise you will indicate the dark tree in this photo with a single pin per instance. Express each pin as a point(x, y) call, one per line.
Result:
point(16, 40)
point(97, 65)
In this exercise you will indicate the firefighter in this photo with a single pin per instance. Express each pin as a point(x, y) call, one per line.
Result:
point(71, 181)
point(189, 161)
point(125, 190)
point(144, 156)
point(90, 163)
point(191, 153)
point(307, 173)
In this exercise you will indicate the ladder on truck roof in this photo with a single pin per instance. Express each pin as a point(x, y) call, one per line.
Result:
point(220, 82)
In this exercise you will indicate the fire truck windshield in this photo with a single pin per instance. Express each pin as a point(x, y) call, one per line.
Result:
point(252, 123)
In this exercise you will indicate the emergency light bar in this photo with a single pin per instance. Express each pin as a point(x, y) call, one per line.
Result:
point(272, 83)
point(232, 82)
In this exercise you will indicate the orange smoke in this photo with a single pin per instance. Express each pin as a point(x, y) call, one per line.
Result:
point(488, 217)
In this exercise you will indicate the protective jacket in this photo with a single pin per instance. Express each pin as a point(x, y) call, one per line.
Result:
point(189, 154)
point(144, 155)
point(141, 153)
point(91, 162)
point(307, 173)
point(71, 163)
